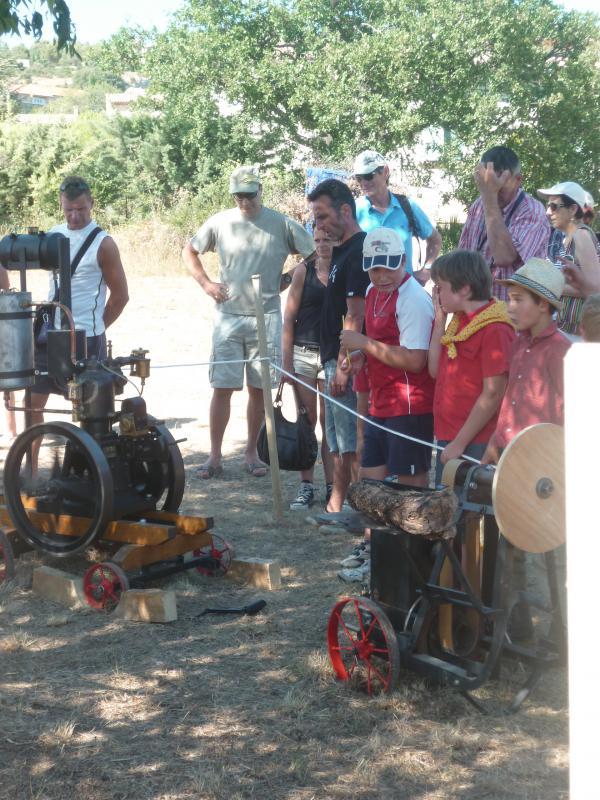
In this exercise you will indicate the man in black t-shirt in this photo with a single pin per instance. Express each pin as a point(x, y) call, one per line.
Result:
point(334, 212)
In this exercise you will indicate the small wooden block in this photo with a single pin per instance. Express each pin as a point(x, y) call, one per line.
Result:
point(259, 572)
point(147, 605)
point(59, 586)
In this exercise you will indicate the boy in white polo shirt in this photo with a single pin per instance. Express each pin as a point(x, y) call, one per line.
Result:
point(398, 322)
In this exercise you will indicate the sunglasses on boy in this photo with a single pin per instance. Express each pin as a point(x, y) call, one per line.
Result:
point(77, 185)
point(368, 176)
point(555, 206)
point(245, 195)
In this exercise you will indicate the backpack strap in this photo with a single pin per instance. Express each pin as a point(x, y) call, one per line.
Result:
point(410, 215)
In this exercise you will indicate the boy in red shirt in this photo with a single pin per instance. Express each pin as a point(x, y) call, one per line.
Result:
point(469, 360)
point(535, 393)
point(535, 390)
point(398, 321)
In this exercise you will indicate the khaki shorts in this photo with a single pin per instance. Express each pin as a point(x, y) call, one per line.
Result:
point(307, 363)
point(236, 338)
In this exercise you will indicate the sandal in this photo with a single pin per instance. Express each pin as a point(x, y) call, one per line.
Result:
point(256, 469)
point(207, 471)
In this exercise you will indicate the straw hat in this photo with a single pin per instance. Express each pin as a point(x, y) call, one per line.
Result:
point(540, 277)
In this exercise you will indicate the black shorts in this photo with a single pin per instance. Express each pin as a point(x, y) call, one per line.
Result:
point(44, 384)
point(399, 455)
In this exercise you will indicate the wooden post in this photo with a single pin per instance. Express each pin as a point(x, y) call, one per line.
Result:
point(582, 445)
point(268, 400)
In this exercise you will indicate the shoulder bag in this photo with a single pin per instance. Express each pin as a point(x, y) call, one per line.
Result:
point(296, 441)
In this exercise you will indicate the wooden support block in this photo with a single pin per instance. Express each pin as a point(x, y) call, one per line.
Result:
point(59, 586)
point(147, 605)
point(259, 572)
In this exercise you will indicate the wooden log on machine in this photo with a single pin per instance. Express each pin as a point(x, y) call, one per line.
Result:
point(425, 512)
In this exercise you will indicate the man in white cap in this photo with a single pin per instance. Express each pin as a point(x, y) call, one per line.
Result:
point(249, 239)
point(380, 208)
point(505, 224)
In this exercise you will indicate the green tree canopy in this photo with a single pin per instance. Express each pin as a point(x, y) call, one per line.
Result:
point(259, 79)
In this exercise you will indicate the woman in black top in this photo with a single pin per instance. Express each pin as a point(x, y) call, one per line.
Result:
point(300, 346)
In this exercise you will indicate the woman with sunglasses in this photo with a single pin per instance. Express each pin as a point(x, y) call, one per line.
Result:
point(573, 243)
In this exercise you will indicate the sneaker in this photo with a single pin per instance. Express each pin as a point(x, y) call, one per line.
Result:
point(305, 497)
point(360, 554)
point(329, 490)
point(356, 574)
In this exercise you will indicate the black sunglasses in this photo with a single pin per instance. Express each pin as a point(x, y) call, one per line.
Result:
point(368, 176)
point(245, 195)
point(74, 184)
point(555, 206)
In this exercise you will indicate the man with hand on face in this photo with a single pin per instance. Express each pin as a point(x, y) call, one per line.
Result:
point(505, 224)
point(334, 212)
point(98, 285)
point(249, 239)
point(378, 207)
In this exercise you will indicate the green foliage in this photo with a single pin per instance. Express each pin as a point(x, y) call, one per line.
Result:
point(337, 77)
point(263, 81)
point(17, 17)
point(125, 51)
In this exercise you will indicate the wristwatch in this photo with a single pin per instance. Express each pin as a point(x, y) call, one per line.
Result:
point(286, 278)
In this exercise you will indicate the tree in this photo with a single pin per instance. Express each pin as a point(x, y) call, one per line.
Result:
point(335, 78)
point(17, 17)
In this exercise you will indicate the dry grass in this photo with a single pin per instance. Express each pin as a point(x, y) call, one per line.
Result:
point(240, 707)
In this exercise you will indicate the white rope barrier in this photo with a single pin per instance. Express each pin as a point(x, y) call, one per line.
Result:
point(318, 392)
point(369, 421)
point(208, 363)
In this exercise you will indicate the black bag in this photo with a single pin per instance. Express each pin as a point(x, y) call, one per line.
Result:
point(43, 320)
point(296, 441)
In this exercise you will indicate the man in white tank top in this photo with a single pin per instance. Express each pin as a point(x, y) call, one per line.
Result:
point(99, 274)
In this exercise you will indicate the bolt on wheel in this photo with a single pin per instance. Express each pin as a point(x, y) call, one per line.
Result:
point(362, 645)
point(104, 584)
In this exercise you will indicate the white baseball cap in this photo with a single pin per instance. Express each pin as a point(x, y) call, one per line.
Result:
point(368, 161)
point(589, 200)
point(382, 247)
point(569, 188)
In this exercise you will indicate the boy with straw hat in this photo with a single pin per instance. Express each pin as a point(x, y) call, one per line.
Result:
point(534, 393)
point(535, 389)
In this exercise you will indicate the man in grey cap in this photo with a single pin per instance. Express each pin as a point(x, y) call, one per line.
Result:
point(248, 239)
point(380, 208)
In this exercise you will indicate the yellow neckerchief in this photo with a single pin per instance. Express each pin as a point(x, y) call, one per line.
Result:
point(495, 312)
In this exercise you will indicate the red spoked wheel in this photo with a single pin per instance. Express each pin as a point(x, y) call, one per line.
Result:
point(221, 553)
point(7, 560)
point(103, 585)
point(362, 645)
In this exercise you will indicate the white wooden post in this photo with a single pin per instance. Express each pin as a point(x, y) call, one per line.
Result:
point(582, 454)
point(268, 400)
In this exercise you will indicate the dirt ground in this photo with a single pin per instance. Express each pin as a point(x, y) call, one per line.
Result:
point(240, 707)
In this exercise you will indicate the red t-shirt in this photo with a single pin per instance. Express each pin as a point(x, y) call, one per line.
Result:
point(535, 390)
point(459, 381)
point(405, 318)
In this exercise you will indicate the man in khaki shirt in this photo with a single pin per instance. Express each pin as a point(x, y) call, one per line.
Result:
point(249, 239)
